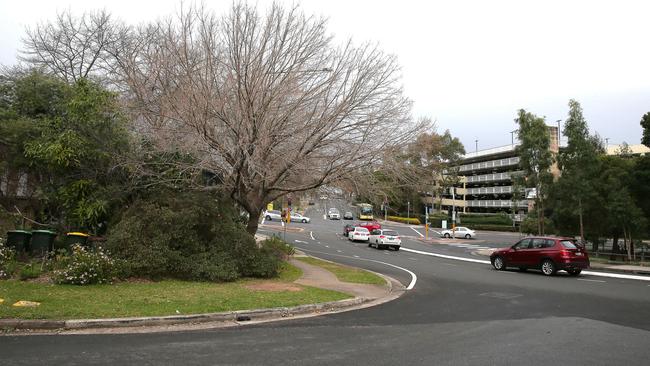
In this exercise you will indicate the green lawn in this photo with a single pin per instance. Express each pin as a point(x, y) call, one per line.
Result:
point(170, 297)
point(346, 274)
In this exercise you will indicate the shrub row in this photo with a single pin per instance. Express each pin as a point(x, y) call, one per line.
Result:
point(493, 227)
point(468, 219)
point(404, 220)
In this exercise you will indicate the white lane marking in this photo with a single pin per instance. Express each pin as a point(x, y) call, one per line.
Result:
point(339, 251)
point(356, 256)
point(616, 275)
point(318, 242)
point(422, 236)
point(414, 277)
point(327, 246)
point(413, 259)
point(311, 234)
point(449, 264)
point(300, 241)
point(263, 218)
point(584, 279)
point(589, 273)
point(446, 256)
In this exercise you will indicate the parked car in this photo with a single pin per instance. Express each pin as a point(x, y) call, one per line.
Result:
point(333, 214)
point(273, 215)
point(370, 225)
point(459, 232)
point(549, 254)
point(296, 217)
point(385, 238)
point(323, 197)
point(359, 233)
point(347, 228)
point(348, 216)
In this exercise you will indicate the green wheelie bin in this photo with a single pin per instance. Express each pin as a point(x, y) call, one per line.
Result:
point(42, 241)
point(19, 240)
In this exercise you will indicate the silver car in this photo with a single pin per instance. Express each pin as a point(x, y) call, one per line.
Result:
point(296, 217)
point(459, 232)
point(273, 215)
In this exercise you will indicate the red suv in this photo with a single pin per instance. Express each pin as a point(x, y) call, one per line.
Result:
point(546, 253)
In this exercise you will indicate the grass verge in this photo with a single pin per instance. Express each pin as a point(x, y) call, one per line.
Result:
point(169, 297)
point(345, 273)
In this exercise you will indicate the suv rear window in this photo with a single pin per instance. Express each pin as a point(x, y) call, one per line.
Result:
point(361, 229)
point(568, 244)
point(390, 232)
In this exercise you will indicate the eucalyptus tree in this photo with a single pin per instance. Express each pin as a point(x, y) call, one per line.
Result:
point(269, 103)
point(536, 159)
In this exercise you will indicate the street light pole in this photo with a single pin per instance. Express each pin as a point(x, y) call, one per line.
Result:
point(476, 142)
point(408, 211)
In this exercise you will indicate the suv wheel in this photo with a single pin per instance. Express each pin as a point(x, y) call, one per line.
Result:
point(548, 267)
point(499, 264)
point(447, 235)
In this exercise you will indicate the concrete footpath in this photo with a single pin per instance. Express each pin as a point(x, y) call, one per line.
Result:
point(363, 296)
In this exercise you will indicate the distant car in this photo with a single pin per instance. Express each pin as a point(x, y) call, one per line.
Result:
point(273, 215)
point(333, 214)
point(347, 228)
point(550, 254)
point(359, 233)
point(296, 217)
point(348, 216)
point(460, 232)
point(311, 203)
point(385, 238)
point(370, 225)
point(323, 197)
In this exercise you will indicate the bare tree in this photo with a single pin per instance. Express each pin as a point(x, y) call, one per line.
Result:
point(268, 103)
point(73, 47)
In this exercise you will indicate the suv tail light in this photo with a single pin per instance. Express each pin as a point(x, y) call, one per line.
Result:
point(565, 254)
point(381, 236)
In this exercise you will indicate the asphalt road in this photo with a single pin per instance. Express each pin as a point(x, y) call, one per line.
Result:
point(457, 313)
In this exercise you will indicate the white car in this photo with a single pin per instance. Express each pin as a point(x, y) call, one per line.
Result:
point(459, 232)
point(381, 238)
point(273, 215)
point(359, 233)
point(334, 214)
point(296, 217)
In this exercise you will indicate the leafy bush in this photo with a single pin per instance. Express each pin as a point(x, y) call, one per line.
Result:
point(188, 235)
point(7, 260)
point(30, 270)
point(494, 227)
point(86, 267)
point(279, 247)
point(404, 220)
point(499, 219)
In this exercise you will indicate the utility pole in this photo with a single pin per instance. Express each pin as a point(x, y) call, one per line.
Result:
point(408, 210)
point(476, 142)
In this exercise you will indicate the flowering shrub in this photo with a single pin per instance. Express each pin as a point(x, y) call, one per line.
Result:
point(86, 267)
point(7, 260)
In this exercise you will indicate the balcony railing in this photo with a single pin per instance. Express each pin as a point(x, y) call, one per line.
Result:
point(495, 203)
point(490, 164)
point(491, 177)
point(490, 190)
point(496, 150)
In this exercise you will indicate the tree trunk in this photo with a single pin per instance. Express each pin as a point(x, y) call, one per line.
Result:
point(253, 221)
point(582, 226)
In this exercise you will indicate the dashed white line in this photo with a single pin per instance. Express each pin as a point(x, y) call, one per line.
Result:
point(311, 234)
point(356, 256)
point(300, 241)
point(339, 251)
point(584, 279)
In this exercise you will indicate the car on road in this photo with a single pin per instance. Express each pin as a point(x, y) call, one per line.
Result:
point(459, 232)
point(347, 228)
point(359, 233)
point(296, 217)
point(381, 238)
point(271, 215)
point(370, 225)
point(333, 214)
point(323, 197)
point(549, 254)
point(348, 216)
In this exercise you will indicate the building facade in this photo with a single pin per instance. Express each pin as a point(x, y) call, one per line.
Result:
point(486, 181)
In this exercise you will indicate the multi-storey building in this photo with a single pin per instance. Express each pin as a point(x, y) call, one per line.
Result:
point(486, 181)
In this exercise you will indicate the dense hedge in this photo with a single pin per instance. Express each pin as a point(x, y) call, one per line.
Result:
point(493, 227)
point(194, 236)
point(501, 219)
point(404, 220)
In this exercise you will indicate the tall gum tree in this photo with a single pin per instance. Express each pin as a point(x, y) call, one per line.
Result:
point(269, 103)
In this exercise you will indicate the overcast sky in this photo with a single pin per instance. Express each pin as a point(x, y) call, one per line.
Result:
point(470, 65)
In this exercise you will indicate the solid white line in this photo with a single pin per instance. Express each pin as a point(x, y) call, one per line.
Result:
point(422, 236)
point(300, 241)
point(263, 218)
point(411, 285)
point(311, 234)
point(446, 256)
point(589, 273)
point(356, 256)
point(583, 279)
point(339, 251)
